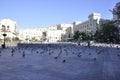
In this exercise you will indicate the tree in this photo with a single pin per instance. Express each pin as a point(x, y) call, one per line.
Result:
point(34, 39)
point(26, 39)
point(7, 39)
point(81, 36)
point(108, 33)
point(15, 39)
point(89, 36)
point(76, 35)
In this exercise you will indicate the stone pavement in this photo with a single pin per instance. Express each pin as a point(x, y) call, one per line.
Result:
point(95, 63)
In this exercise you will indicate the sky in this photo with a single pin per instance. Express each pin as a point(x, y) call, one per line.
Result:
point(43, 13)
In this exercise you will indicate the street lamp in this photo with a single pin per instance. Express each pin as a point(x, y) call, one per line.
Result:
point(4, 35)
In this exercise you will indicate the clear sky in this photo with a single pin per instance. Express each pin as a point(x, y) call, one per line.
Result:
point(40, 13)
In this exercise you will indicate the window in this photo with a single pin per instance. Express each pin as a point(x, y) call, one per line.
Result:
point(7, 27)
point(87, 25)
point(3, 27)
point(90, 24)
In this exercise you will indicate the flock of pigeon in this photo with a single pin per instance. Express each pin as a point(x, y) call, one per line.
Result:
point(62, 51)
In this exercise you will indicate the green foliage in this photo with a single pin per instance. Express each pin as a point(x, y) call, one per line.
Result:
point(89, 36)
point(15, 39)
point(108, 33)
point(81, 36)
point(76, 35)
point(7, 39)
point(26, 39)
point(34, 39)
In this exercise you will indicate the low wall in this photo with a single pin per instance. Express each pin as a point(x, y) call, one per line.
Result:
point(44, 44)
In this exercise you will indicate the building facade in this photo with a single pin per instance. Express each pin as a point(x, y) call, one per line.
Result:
point(89, 26)
point(63, 32)
point(55, 33)
point(30, 34)
point(67, 31)
point(9, 27)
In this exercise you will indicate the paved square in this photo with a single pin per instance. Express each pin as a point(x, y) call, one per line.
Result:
point(60, 63)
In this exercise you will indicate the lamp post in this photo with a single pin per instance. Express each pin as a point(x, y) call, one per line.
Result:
point(4, 35)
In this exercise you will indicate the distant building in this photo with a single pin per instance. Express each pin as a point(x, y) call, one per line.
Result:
point(89, 26)
point(29, 34)
point(63, 32)
point(8, 27)
point(67, 31)
point(55, 33)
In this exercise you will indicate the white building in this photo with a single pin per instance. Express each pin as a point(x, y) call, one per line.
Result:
point(55, 33)
point(8, 27)
point(67, 30)
point(62, 32)
point(89, 26)
point(29, 34)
